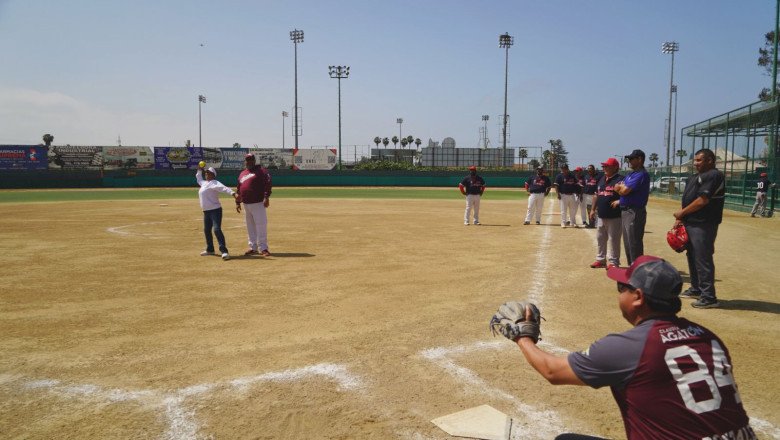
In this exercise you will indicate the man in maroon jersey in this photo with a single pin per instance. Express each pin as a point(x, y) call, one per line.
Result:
point(254, 188)
point(671, 378)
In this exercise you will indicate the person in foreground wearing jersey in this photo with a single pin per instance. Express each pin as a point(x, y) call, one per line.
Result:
point(671, 378)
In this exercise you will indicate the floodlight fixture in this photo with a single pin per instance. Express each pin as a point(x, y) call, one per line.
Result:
point(297, 37)
point(201, 99)
point(670, 47)
point(505, 41)
point(339, 73)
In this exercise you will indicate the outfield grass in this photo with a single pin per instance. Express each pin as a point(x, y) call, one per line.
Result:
point(59, 195)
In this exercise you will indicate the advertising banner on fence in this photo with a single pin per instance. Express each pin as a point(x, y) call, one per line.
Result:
point(324, 159)
point(23, 157)
point(177, 158)
point(273, 158)
point(84, 157)
point(115, 158)
point(233, 158)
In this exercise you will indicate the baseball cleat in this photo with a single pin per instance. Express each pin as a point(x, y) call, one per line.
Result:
point(476, 223)
point(465, 223)
point(538, 223)
point(689, 294)
point(702, 303)
point(598, 265)
point(251, 252)
point(225, 256)
point(205, 253)
point(528, 223)
point(265, 253)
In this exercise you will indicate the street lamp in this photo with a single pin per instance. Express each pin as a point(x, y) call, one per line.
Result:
point(339, 72)
point(284, 115)
point(297, 37)
point(670, 47)
point(201, 99)
point(400, 122)
point(505, 41)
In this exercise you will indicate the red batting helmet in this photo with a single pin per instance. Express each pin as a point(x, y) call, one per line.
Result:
point(677, 237)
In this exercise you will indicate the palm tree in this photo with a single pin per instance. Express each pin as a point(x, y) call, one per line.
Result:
point(395, 141)
point(48, 139)
point(409, 140)
point(533, 163)
point(417, 142)
point(523, 155)
point(385, 141)
point(681, 154)
point(236, 145)
point(404, 143)
point(377, 141)
point(654, 159)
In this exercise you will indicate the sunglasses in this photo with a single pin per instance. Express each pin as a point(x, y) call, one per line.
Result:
point(622, 287)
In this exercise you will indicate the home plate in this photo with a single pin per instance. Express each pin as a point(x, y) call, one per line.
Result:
point(482, 422)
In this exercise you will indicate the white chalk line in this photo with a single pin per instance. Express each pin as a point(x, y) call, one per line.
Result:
point(182, 422)
point(121, 230)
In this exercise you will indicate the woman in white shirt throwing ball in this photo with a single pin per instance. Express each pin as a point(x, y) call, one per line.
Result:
point(208, 193)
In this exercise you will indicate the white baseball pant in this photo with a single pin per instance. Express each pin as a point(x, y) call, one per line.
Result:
point(609, 231)
point(568, 208)
point(581, 204)
point(256, 226)
point(535, 206)
point(472, 202)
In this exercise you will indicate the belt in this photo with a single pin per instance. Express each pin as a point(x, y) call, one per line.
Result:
point(626, 208)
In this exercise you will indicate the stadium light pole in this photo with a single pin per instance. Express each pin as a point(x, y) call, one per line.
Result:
point(297, 37)
point(505, 41)
point(670, 47)
point(339, 72)
point(674, 130)
point(284, 115)
point(485, 119)
point(201, 99)
point(400, 122)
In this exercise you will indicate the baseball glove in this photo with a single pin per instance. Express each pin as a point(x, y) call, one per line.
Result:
point(677, 237)
point(510, 320)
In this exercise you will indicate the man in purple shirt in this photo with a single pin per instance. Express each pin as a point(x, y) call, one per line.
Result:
point(634, 191)
point(671, 378)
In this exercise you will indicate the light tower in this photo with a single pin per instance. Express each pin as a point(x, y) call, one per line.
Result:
point(505, 41)
point(201, 100)
point(670, 47)
point(297, 37)
point(339, 72)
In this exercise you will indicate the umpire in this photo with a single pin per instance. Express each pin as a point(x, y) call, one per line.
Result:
point(634, 191)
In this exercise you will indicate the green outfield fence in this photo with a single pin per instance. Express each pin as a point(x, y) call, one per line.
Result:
point(186, 178)
point(745, 142)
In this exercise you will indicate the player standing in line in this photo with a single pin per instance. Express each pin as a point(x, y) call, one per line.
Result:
point(671, 378)
point(762, 186)
point(254, 188)
point(472, 186)
point(538, 187)
point(566, 186)
point(702, 213)
point(634, 191)
point(580, 197)
point(591, 183)
point(605, 204)
point(208, 194)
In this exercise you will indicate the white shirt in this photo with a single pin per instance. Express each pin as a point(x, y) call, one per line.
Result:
point(209, 192)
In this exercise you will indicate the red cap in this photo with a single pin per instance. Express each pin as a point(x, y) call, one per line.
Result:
point(763, 174)
point(611, 162)
point(472, 168)
point(578, 169)
point(249, 156)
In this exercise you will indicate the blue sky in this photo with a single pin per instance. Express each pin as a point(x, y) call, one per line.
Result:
point(588, 72)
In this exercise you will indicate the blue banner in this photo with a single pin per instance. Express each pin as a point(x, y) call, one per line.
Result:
point(23, 157)
point(177, 158)
point(233, 158)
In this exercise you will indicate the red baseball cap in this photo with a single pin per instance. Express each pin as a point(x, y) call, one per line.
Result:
point(578, 169)
point(250, 156)
point(655, 276)
point(611, 162)
point(763, 174)
point(472, 168)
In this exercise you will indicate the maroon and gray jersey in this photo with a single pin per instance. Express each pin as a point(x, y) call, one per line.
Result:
point(671, 378)
point(254, 185)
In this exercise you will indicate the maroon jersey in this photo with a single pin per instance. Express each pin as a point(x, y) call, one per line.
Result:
point(671, 378)
point(254, 185)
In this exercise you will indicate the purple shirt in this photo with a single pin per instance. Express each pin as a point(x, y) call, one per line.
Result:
point(639, 182)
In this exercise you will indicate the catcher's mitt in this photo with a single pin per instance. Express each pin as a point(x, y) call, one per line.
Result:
point(510, 320)
point(677, 237)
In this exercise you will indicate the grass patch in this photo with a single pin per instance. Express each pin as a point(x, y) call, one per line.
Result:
point(60, 195)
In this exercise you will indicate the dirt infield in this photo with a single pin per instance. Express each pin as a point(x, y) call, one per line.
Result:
point(369, 320)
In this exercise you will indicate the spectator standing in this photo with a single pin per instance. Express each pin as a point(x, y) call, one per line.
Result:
point(634, 191)
point(580, 197)
point(591, 183)
point(254, 188)
point(472, 186)
point(762, 186)
point(702, 213)
point(605, 204)
point(566, 186)
point(538, 187)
